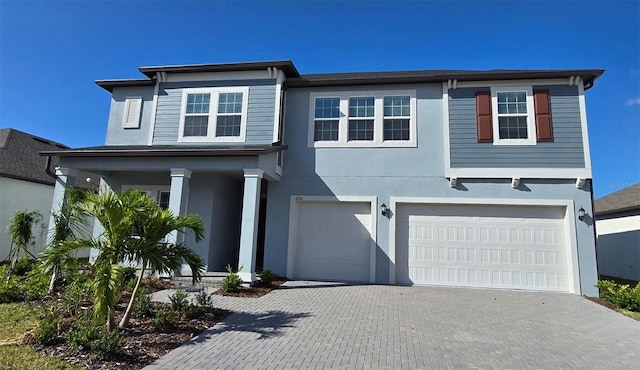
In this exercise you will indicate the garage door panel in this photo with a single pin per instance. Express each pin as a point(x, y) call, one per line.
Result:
point(333, 241)
point(511, 247)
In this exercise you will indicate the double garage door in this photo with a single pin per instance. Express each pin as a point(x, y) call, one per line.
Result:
point(513, 247)
point(492, 246)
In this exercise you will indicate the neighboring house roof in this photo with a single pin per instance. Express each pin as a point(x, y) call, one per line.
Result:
point(168, 150)
point(19, 157)
point(623, 200)
point(357, 78)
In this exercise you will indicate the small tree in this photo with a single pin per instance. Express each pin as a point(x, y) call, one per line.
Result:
point(21, 233)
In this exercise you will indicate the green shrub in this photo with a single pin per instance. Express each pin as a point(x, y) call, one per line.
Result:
point(107, 346)
point(77, 295)
point(83, 332)
point(193, 311)
point(232, 281)
point(23, 266)
point(267, 276)
point(203, 299)
point(47, 332)
point(142, 303)
point(165, 320)
point(621, 295)
point(10, 292)
point(179, 301)
point(35, 285)
point(88, 335)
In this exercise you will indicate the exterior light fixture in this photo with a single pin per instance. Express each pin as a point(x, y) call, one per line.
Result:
point(383, 209)
point(581, 213)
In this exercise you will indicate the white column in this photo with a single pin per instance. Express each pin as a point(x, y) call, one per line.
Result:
point(249, 227)
point(178, 203)
point(65, 177)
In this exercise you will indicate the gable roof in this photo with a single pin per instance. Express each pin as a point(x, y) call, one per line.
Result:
point(20, 159)
point(623, 200)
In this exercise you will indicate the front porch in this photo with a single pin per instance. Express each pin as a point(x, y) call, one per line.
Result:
point(228, 192)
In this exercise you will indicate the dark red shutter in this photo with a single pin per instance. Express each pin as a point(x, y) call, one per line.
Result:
point(544, 128)
point(483, 117)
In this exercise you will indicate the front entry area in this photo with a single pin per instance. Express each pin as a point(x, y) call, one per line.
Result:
point(332, 240)
point(489, 246)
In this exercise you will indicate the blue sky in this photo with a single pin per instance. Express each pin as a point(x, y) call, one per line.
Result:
point(51, 52)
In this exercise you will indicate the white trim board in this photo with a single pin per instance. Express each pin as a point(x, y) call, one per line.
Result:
point(293, 217)
point(154, 110)
point(522, 173)
point(219, 76)
point(446, 125)
point(583, 124)
point(278, 106)
point(490, 83)
point(569, 223)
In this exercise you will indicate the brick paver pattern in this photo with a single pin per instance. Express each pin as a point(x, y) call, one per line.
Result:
point(306, 325)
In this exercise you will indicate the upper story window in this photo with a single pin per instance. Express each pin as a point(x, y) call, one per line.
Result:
point(513, 120)
point(363, 119)
point(214, 114)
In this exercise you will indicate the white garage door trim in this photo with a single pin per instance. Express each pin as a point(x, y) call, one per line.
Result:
point(569, 223)
point(295, 202)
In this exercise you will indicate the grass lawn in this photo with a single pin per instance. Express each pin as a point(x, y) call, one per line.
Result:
point(15, 319)
point(631, 314)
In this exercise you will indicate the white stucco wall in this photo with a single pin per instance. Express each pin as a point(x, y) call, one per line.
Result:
point(16, 195)
point(619, 247)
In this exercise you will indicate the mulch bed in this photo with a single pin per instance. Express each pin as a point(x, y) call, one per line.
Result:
point(602, 302)
point(255, 291)
point(142, 343)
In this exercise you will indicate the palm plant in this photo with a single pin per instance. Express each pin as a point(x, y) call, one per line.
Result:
point(21, 233)
point(125, 231)
point(153, 253)
point(67, 222)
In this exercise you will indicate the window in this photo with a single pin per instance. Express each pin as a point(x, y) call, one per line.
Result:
point(397, 114)
point(513, 118)
point(214, 114)
point(163, 199)
point(361, 118)
point(327, 118)
point(357, 119)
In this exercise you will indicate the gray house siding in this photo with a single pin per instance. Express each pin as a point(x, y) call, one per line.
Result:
point(392, 172)
point(116, 135)
point(260, 110)
point(566, 150)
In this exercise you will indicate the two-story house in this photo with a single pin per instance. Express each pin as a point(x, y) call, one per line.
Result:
point(455, 178)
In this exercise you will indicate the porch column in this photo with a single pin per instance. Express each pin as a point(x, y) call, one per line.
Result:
point(65, 177)
point(249, 226)
point(178, 202)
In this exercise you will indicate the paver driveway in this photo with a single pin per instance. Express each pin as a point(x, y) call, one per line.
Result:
point(329, 325)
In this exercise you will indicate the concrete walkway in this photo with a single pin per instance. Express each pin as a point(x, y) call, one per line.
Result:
point(336, 326)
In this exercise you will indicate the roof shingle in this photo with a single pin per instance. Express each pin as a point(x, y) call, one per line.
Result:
point(622, 200)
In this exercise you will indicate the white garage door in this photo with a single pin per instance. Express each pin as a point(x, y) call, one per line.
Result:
point(515, 247)
point(333, 241)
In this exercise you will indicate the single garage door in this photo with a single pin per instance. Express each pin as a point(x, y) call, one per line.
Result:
point(333, 241)
point(514, 247)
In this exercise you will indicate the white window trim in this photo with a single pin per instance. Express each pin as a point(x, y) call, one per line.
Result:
point(343, 125)
point(135, 122)
point(213, 114)
point(531, 118)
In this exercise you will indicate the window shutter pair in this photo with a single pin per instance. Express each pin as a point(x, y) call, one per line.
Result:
point(132, 110)
point(542, 106)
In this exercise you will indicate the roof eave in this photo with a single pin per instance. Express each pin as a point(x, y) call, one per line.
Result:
point(286, 66)
point(109, 85)
point(177, 152)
